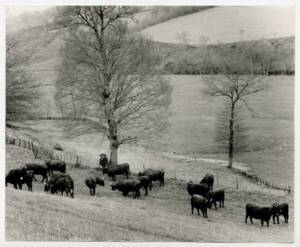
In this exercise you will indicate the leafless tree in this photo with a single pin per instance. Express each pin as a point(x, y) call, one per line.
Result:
point(21, 88)
point(239, 79)
point(110, 78)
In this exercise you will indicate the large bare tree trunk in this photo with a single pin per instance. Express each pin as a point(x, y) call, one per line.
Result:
point(114, 142)
point(113, 152)
point(231, 134)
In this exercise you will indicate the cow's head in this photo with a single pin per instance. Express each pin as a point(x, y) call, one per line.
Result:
point(46, 186)
point(100, 181)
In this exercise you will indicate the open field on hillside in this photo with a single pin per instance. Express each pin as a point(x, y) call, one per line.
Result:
point(192, 130)
point(162, 216)
point(225, 25)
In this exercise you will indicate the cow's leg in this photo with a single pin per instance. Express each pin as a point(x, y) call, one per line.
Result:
point(150, 185)
point(91, 191)
point(34, 178)
point(274, 219)
point(278, 219)
point(203, 212)
point(262, 223)
point(215, 203)
point(15, 186)
point(198, 211)
point(20, 186)
point(246, 218)
point(94, 190)
point(146, 190)
point(251, 220)
point(192, 209)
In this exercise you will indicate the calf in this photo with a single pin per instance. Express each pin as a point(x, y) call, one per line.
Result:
point(128, 185)
point(91, 182)
point(27, 179)
point(37, 169)
point(260, 213)
point(216, 196)
point(199, 189)
point(280, 209)
point(201, 203)
point(55, 165)
point(15, 177)
point(208, 179)
point(113, 170)
point(154, 175)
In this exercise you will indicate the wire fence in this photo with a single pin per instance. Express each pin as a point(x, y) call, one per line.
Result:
point(43, 153)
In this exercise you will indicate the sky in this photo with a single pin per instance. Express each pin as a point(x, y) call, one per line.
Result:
point(14, 10)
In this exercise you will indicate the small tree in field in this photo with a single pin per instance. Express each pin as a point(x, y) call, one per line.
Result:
point(239, 78)
point(111, 78)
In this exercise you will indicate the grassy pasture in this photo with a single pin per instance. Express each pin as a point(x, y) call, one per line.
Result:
point(192, 130)
point(162, 216)
point(226, 24)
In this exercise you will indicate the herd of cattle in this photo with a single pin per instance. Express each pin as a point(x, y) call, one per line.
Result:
point(202, 193)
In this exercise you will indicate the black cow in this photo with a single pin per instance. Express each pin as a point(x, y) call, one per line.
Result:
point(27, 179)
point(216, 196)
point(103, 161)
point(208, 179)
point(127, 185)
point(280, 209)
point(154, 175)
point(55, 165)
point(60, 182)
point(91, 182)
point(38, 169)
point(199, 189)
point(15, 177)
point(260, 213)
point(113, 170)
point(145, 183)
point(201, 203)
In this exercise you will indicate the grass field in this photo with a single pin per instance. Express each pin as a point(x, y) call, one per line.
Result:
point(226, 24)
point(162, 216)
point(192, 131)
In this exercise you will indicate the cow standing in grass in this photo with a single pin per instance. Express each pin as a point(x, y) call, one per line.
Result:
point(280, 209)
point(216, 196)
point(15, 177)
point(37, 169)
point(91, 182)
point(198, 189)
point(208, 179)
point(55, 165)
point(126, 186)
point(201, 203)
point(60, 182)
point(261, 213)
point(154, 175)
point(113, 170)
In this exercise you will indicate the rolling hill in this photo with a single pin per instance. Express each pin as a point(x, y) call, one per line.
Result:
point(226, 24)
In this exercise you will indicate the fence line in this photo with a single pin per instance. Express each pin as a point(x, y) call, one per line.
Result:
point(43, 153)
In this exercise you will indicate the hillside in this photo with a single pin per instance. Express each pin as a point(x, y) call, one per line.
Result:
point(226, 24)
point(166, 211)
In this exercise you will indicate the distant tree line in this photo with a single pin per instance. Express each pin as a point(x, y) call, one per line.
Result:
point(272, 57)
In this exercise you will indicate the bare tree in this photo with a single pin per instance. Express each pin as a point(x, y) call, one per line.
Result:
point(21, 88)
point(238, 80)
point(111, 78)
